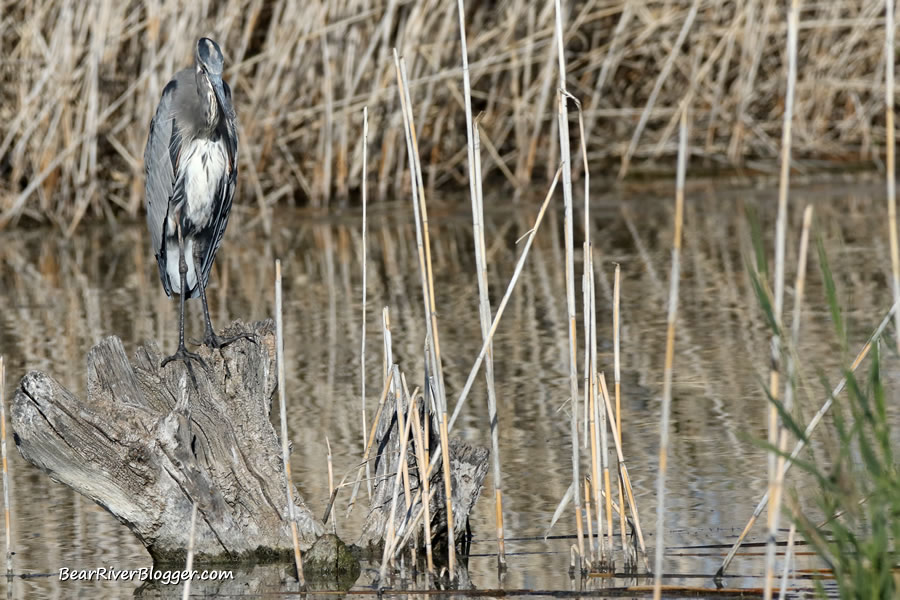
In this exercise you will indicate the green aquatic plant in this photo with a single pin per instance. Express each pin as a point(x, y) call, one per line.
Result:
point(859, 487)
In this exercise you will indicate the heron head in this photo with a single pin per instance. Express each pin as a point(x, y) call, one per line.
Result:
point(209, 57)
point(209, 65)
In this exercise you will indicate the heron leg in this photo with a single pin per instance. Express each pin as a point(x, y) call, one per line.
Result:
point(182, 353)
point(210, 338)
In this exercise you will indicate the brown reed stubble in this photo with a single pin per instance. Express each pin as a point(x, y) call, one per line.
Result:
point(81, 158)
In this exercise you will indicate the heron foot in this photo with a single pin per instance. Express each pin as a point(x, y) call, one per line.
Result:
point(186, 357)
point(211, 340)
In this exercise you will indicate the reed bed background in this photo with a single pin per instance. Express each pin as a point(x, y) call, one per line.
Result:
point(79, 83)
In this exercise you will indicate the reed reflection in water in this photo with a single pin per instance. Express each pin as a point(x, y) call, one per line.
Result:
point(59, 297)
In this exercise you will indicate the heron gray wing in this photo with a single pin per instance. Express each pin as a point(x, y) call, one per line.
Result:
point(224, 191)
point(160, 162)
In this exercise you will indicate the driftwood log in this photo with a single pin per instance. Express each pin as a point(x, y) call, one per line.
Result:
point(146, 444)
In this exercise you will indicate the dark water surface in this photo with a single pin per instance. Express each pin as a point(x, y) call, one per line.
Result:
point(58, 297)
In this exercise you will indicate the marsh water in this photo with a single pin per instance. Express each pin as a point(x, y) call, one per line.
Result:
point(60, 296)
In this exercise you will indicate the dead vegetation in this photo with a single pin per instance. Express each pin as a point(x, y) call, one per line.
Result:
point(79, 83)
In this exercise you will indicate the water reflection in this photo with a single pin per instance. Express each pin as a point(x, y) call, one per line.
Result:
point(60, 296)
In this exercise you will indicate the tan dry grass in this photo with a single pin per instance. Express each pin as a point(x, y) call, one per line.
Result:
point(79, 83)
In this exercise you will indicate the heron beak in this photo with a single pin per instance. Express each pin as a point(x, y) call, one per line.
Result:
point(224, 103)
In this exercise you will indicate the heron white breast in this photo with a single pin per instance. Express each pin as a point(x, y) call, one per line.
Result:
point(204, 167)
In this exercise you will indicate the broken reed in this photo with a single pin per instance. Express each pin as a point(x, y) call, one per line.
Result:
point(81, 159)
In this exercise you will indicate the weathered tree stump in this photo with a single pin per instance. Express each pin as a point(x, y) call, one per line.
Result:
point(468, 468)
point(146, 445)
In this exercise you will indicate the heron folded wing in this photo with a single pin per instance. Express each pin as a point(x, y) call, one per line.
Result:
point(159, 176)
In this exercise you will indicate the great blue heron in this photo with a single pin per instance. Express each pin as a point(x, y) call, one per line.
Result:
point(190, 167)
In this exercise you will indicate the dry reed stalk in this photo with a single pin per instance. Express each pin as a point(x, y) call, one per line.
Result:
point(810, 428)
point(589, 519)
point(623, 473)
point(428, 292)
point(6, 505)
point(331, 485)
point(285, 456)
point(365, 459)
point(788, 556)
point(778, 484)
point(780, 233)
point(493, 416)
point(601, 440)
point(590, 401)
point(81, 160)
point(563, 126)
point(889, 59)
point(365, 247)
point(670, 359)
point(388, 358)
point(189, 563)
point(475, 191)
point(422, 466)
point(618, 391)
point(403, 427)
point(407, 493)
point(473, 373)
